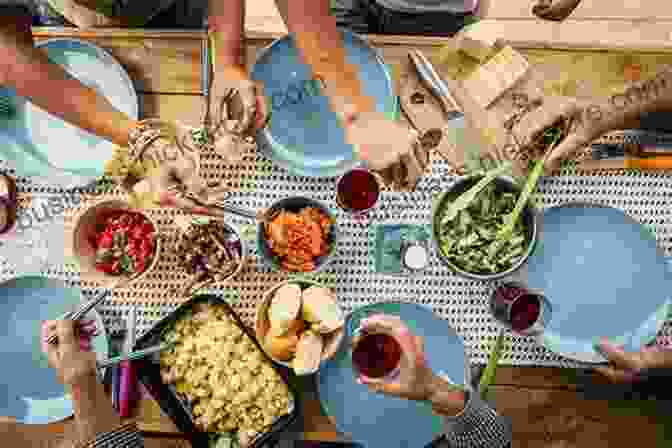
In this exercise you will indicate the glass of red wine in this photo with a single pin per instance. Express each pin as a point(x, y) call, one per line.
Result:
point(357, 191)
point(375, 354)
point(519, 309)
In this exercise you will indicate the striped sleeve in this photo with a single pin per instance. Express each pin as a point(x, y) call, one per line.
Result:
point(125, 436)
point(478, 426)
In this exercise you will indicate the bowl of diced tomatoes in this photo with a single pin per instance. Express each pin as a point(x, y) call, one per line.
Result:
point(111, 239)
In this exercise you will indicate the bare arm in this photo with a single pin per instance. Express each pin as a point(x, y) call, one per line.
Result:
point(225, 22)
point(321, 47)
point(47, 85)
point(623, 110)
point(93, 410)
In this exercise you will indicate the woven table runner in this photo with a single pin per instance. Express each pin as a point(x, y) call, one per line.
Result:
point(463, 303)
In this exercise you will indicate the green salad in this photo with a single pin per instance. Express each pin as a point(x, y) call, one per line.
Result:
point(468, 232)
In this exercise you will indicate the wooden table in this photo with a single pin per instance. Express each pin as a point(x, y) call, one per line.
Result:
point(548, 407)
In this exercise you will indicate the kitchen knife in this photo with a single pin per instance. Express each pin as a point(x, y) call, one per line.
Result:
point(431, 79)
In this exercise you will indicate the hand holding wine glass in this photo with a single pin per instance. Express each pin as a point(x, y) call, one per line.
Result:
point(414, 379)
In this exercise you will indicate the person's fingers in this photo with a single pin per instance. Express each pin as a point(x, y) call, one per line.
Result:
point(565, 150)
point(535, 122)
point(419, 348)
point(541, 8)
point(53, 357)
point(68, 342)
point(248, 99)
point(656, 357)
point(389, 388)
point(262, 110)
point(620, 358)
point(617, 375)
point(47, 329)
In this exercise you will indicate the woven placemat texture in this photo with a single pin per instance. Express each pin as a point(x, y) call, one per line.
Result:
point(258, 183)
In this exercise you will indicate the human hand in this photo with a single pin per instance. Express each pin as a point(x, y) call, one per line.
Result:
point(580, 130)
point(167, 163)
point(415, 378)
point(389, 147)
point(556, 10)
point(237, 109)
point(74, 365)
point(626, 367)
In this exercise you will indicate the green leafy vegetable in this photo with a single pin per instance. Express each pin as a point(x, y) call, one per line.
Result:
point(488, 376)
point(549, 138)
point(466, 198)
point(126, 263)
point(469, 240)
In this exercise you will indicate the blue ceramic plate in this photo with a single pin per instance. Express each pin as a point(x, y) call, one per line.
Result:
point(604, 276)
point(378, 421)
point(29, 391)
point(41, 144)
point(304, 136)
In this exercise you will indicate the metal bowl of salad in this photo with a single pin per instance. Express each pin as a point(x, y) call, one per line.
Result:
point(472, 231)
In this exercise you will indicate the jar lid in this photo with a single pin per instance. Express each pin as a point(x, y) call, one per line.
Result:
point(416, 257)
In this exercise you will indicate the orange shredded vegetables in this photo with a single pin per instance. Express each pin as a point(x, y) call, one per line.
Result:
point(298, 239)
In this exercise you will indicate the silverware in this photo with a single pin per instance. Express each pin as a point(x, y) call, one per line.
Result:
point(206, 72)
point(134, 356)
point(433, 81)
point(84, 309)
point(81, 312)
point(221, 205)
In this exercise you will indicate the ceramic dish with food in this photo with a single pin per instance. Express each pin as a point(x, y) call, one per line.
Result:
point(468, 242)
point(300, 325)
point(111, 240)
point(297, 235)
point(209, 250)
point(216, 383)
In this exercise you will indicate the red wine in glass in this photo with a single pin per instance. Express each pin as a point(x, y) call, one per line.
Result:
point(357, 191)
point(518, 309)
point(524, 312)
point(376, 355)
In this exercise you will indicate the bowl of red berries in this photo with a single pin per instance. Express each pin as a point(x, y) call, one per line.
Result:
point(112, 240)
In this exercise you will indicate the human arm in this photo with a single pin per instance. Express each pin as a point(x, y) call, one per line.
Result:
point(321, 47)
point(96, 423)
point(47, 85)
point(380, 141)
point(468, 421)
point(593, 118)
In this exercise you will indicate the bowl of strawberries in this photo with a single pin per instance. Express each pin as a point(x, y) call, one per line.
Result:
point(111, 240)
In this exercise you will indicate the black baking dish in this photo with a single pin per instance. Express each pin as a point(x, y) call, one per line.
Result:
point(179, 410)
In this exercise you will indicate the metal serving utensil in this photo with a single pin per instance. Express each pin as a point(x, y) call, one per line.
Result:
point(85, 307)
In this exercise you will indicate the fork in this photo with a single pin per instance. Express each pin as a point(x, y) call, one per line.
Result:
point(88, 306)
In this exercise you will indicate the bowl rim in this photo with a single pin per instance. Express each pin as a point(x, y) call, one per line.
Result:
point(239, 233)
point(158, 246)
point(262, 245)
point(529, 209)
point(262, 306)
